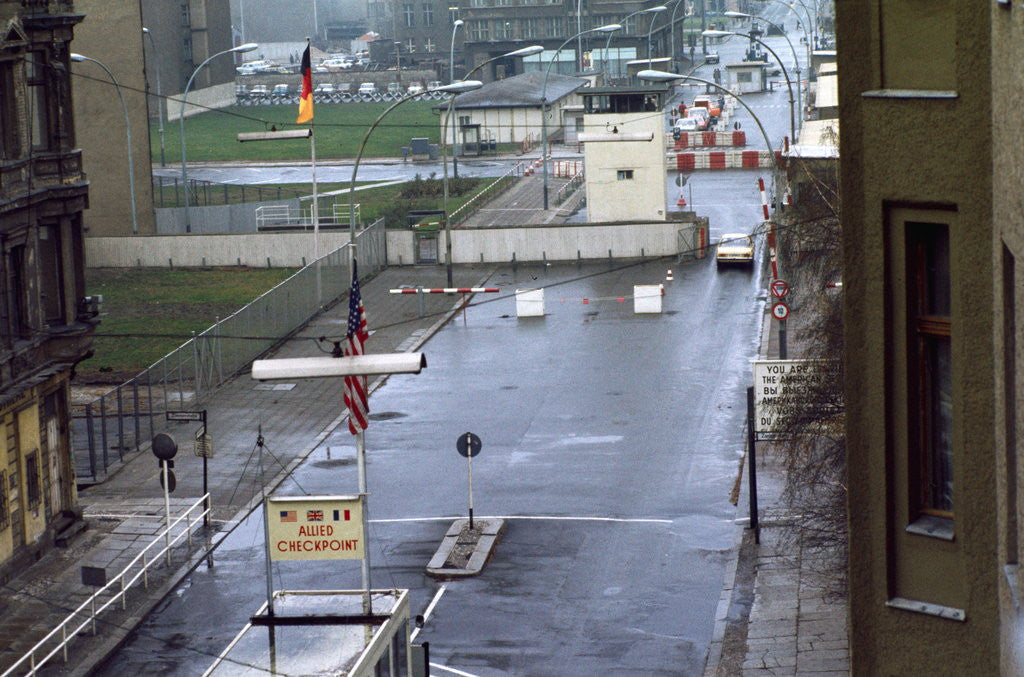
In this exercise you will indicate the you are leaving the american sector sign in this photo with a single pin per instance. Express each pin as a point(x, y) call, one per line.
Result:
point(315, 527)
point(783, 386)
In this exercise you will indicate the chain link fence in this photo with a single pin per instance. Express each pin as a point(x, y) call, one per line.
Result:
point(124, 419)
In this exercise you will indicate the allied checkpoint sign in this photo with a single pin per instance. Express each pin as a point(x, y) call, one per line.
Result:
point(315, 527)
point(780, 387)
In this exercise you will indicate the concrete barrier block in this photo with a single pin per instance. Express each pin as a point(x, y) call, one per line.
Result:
point(647, 298)
point(529, 302)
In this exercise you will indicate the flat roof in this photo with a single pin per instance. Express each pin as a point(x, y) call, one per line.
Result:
point(818, 139)
point(519, 91)
point(828, 92)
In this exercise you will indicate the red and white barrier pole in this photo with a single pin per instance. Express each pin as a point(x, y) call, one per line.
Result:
point(446, 290)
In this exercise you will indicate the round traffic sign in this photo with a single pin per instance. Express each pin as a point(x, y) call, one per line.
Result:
point(468, 444)
point(164, 446)
point(172, 482)
point(779, 289)
point(780, 311)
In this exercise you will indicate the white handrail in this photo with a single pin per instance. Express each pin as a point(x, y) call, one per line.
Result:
point(517, 169)
point(121, 578)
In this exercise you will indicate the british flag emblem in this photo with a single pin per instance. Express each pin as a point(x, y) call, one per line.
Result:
point(314, 515)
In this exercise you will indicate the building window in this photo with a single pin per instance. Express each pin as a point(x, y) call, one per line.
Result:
point(503, 30)
point(186, 48)
point(1010, 404)
point(38, 101)
point(553, 26)
point(9, 146)
point(410, 45)
point(625, 175)
point(186, 15)
point(744, 76)
point(17, 285)
point(479, 31)
point(428, 14)
point(529, 28)
point(32, 479)
point(51, 273)
point(5, 515)
point(428, 45)
point(453, 14)
point(930, 363)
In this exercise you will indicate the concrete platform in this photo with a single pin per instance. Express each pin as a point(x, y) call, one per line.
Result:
point(464, 552)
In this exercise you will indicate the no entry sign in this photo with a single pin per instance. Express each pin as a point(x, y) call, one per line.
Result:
point(780, 311)
point(779, 289)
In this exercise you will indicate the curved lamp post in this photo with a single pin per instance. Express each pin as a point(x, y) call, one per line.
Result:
point(78, 58)
point(785, 73)
point(159, 95)
point(610, 28)
point(800, 20)
point(608, 40)
point(247, 47)
point(454, 88)
point(451, 50)
point(523, 51)
point(796, 60)
point(672, 29)
point(663, 76)
point(650, 29)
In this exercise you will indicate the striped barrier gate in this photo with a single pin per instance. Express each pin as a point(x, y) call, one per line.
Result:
point(699, 139)
point(721, 159)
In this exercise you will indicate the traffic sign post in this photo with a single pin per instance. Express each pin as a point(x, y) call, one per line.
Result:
point(469, 445)
point(779, 289)
point(780, 311)
point(203, 448)
point(165, 448)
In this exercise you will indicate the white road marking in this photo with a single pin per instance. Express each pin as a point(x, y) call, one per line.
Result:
point(628, 520)
point(452, 670)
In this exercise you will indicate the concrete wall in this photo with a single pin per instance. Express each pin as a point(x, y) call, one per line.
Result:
point(490, 245)
point(236, 218)
point(217, 96)
point(610, 197)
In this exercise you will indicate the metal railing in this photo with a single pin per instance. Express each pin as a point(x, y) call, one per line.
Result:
point(167, 192)
point(116, 589)
point(494, 187)
point(568, 189)
point(269, 216)
point(124, 418)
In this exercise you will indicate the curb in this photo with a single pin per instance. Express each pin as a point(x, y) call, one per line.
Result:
point(491, 530)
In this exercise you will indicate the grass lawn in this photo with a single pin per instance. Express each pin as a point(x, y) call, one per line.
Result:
point(141, 302)
point(339, 129)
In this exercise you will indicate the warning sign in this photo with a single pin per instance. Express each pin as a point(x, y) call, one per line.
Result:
point(315, 527)
point(784, 388)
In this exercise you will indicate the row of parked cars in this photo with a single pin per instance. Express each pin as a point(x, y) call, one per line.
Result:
point(701, 116)
point(326, 90)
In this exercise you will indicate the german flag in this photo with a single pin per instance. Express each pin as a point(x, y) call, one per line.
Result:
point(306, 100)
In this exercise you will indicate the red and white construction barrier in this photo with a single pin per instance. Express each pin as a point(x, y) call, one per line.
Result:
point(692, 139)
point(446, 290)
point(721, 159)
point(771, 229)
point(566, 168)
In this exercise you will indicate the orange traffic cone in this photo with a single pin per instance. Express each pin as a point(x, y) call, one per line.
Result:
point(681, 202)
point(668, 277)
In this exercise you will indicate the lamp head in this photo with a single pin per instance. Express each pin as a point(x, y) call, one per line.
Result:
point(247, 47)
point(715, 34)
point(459, 87)
point(737, 15)
point(78, 57)
point(610, 28)
point(654, 10)
point(145, 30)
point(526, 51)
point(659, 76)
point(458, 22)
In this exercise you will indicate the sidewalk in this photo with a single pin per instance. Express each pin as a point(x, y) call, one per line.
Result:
point(775, 617)
point(126, 510)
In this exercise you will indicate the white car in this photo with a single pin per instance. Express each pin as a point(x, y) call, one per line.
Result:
point(735, 248)
point(434, 84)
point(324, 88)
point(685, 125)
point(415, 88)
point(367, 88)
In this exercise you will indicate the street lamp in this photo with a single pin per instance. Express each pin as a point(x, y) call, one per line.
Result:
point(159, 95)
point(523, 51)
point(247, 47)
point(398, 64)
point(451, 51)
point(672, 29)
point(453, 88)
point(785, 74)
point(796, 61)
point(663, 76)
point(626, 18)
point(78, 58)
point(650, 29)
point(610, 28)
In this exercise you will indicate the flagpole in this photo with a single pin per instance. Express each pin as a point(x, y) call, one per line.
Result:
point(361, 464)
point(315, 214)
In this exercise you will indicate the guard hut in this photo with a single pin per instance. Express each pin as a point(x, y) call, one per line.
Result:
point(746, 77)
point(624, 153)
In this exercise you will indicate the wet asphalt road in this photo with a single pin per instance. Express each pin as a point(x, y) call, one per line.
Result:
point(610, 446)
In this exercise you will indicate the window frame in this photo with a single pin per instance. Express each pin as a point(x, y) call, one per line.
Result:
point(33, 490)
point(928, 330)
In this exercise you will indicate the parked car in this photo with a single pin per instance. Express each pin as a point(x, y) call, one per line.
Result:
point(434, 84)
point(686, 124)
point(415, 87)
point(246, 70)
point(711, 57)
point(324, 88)
point(255, 66)
point(259, 90)
point(394, 88)
point(367, 88)
point(735, 248)
point(320, 68)
point(701, 116)
point(280, 90)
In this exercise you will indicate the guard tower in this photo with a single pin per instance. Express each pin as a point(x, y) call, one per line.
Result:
point(624, 153)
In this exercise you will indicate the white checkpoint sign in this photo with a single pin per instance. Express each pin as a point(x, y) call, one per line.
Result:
point(315, 527)
point(529, 302)
point(647, 298)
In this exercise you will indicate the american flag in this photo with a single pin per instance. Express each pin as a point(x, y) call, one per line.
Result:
point(287, 515)
point(355, 386)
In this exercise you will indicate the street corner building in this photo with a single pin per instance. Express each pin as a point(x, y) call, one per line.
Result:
point(46, 322)
point(933, 240)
